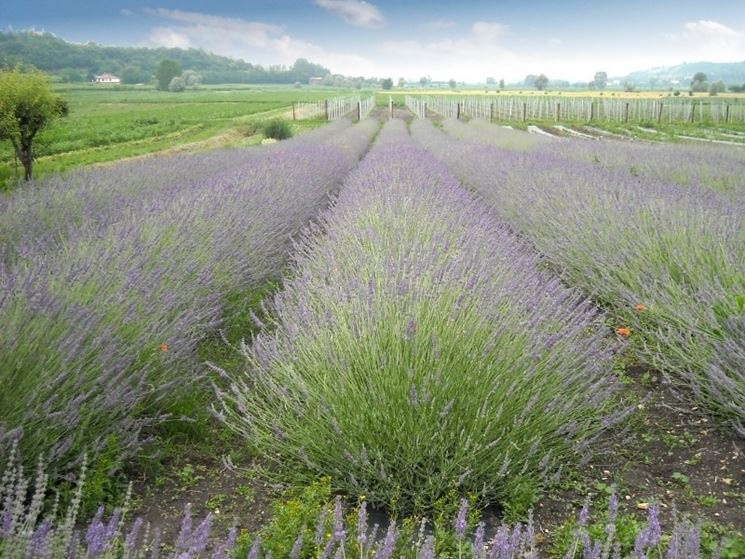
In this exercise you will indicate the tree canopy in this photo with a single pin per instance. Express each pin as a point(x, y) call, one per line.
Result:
point(167, 70)
point(541, 82)
point(27, 105)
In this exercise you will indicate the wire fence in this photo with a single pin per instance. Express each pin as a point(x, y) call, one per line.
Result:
point(333, 108)
point(588, 109)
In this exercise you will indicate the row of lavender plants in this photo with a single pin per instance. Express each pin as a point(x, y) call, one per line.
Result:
point(669, 261)
point(100, 335)
point(31, 530)
point(417, 348)
point(717, 167)
point(43, 215)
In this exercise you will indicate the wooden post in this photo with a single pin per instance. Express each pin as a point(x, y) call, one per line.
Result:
point(693, 110)
point(491, 112)
point(359, 110)
point(659, 112)
point(424, 110)
point(592, 110)
point(293, 111)
point(390, 107)
point(558, 111)
point(525, 111)
point(626, 113)
point(326, 108)
point(726, 113)
point(457, 110)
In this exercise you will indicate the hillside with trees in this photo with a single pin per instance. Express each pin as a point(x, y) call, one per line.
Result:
point(77, 63)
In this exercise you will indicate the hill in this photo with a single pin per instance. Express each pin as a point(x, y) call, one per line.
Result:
point(730, 73)
point(77, 62)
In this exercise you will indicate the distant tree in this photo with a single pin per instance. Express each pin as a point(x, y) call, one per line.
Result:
point(423, 81)
point(717, 88)
point(629, 86)
point(72, 76)
point(501, 83)
point(177, 85)
point(530, 80)
point(135, 74)
point(699, 82)
point(452, 83)
point(27, 105)
point(387, 83)
point(167, 70)
point(401, 82)
point(191, 78)
point(600, 81)
point(490, 81)
point(737, 88)
point(541, 82)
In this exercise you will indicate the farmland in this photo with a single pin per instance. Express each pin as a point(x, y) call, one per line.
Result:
point(108, 123)
point(490, 343)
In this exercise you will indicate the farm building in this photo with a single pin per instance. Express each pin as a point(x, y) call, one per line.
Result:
point(107, 78)
point(315, 81)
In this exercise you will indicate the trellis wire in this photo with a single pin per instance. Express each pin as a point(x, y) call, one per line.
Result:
point(579, 108)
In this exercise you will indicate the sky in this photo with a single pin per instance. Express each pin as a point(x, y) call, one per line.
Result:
point(466, 41)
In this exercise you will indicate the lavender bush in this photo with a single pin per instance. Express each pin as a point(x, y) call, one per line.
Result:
point(42, 216)
point(417, 347)
point(31, 530)
point(96, 334)
point(669, 261)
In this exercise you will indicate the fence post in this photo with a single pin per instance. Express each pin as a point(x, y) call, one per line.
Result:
point(424, 110)
point(525, 111)
point(293, 111)
point(626, 113)
point(592, 110)
point(693, 110)
point(659, 112)
point(726, 113)
point(390, 107)
point(457, 110)
point(359, 110)
point(326, 108)
point(558, 111)
point(491, 112)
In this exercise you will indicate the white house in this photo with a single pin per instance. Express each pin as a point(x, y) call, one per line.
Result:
point(107, 78)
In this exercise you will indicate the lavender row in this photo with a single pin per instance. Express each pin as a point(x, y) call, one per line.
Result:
point(98, 333)
point(668, 261)
point(718, 167)
point(417, 348)
point(31, 529)
point(42, 216)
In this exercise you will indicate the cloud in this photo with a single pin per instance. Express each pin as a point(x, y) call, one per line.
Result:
point(708, 40)
point(254, 41)
point(126, 13)
point(356, 12)
point(438, 25)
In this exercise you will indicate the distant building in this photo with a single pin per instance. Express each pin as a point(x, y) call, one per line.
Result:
point(107, 78)
point(315, 81)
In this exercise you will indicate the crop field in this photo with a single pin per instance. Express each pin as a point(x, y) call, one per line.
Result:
point(387, 338)
point(108, 123)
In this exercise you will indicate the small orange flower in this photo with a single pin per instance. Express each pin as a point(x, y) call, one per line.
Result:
point(640, 307)
point(625, 332)
point(164, 347)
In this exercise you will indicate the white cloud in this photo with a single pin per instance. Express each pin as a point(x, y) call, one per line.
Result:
point(708, 40)
point(169, 38)
point(356, 12)
point(126, 13)
point(253, 41)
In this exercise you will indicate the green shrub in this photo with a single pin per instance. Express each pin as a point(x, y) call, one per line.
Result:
point(278, 129)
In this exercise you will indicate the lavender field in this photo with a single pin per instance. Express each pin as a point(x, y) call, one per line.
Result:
point(473, 336)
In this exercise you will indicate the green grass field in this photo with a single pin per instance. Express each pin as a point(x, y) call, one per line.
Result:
point(108, 123)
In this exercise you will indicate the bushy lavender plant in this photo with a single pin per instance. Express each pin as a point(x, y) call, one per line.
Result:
point(417, 347)
point(668, 260)
point(96, 334)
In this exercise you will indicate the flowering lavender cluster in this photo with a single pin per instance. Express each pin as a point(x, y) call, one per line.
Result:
point(42, 216)
point(97, 333)
point(418, 346)
point(668, 260)
point(27, 531)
